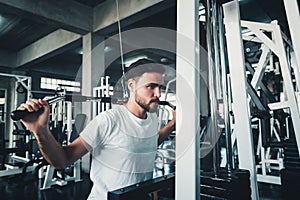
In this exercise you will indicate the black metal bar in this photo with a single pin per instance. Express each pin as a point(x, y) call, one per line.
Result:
point(141, 190)
point(167, 104)
point(20, 114)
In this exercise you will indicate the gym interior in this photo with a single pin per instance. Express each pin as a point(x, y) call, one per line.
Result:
point(231, 73)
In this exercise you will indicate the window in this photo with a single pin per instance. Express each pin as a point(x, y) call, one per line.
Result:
point(53, 84)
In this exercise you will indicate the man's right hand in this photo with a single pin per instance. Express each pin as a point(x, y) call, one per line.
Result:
point(39, 114)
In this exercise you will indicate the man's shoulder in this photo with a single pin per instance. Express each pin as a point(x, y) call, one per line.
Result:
point(115, 111)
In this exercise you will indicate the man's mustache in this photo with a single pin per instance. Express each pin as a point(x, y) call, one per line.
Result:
point(154, 100)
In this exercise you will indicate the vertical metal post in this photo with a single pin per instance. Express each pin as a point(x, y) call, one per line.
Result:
point(226, 99)
point(69, 120)
point(288, 83)
point(213, 70)
point(187, 180)
point(293, 18)
point(242, 127)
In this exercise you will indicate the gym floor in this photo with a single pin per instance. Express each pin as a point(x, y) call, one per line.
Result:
point(23, 188)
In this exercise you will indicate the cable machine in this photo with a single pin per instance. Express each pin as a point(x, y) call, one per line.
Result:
point(9, 149)
point(269, 108)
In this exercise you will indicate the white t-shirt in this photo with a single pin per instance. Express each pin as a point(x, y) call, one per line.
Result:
point(123, 149)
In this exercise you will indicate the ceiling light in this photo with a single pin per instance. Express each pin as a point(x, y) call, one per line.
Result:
point(164, 60)
point(107, 49)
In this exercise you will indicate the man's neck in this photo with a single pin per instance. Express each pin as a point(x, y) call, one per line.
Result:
point(136, 109)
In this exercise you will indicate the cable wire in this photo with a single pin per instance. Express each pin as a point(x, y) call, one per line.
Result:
point(125, 94)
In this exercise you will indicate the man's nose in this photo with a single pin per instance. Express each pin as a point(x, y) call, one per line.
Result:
point(157, 92)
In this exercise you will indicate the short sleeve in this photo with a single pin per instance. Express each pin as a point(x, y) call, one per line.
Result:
point(97, 131)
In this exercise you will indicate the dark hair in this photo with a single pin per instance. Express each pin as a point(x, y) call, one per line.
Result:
point(142, 66)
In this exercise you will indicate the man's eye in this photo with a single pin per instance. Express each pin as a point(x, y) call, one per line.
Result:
point(153, 86)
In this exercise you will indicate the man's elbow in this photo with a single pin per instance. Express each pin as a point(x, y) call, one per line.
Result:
point(60, 166)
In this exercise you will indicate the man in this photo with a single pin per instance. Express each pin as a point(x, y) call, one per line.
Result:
point(123, 140)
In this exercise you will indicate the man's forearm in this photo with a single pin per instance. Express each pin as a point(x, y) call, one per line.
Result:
point(165, 131)
point(51, 150)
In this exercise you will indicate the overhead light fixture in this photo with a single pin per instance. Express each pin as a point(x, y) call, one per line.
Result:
point(79, 51)
point(164, 60)
point(107, 49)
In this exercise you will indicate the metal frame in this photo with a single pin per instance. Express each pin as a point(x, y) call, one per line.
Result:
point(25, 81)
point(101, 91)
point(19, 79)
point(65, 109)
point(276, 45)
point(49, 180)
point(293, 18)
point(142, 189)
point(267, 163)
point(264, 153)
point(240, 106)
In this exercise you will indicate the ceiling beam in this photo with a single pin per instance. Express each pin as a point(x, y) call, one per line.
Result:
point(46, 47)
point(157, 40)
point(105, 14)
point(7, 59)
point(66, 14)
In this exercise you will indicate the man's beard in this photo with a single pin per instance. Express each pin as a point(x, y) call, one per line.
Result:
point(145, 106)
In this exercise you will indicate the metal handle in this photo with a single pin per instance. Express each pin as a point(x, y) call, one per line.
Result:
point(20, 114)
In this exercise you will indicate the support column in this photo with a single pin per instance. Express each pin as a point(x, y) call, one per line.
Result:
point(93, 67)
point(187, 179)
point(242, 127)
point(293, 17)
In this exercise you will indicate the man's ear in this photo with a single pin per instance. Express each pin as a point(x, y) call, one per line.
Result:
point(131, 85)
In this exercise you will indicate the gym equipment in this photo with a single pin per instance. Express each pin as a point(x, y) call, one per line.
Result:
point(19, 114)
point(71, 173)
point(16, 144)
point(165, 160)
point(290, 174)
point(15, 159)
point(279, 49)
point(166, 103)
point(276, 61)
point(64, 134)
point(232, 186)
point(242, 128)
point(102, 91)
point(158, 187)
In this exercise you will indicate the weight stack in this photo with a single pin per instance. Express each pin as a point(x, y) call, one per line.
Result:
point(290, 175)
point(235, 186)
point(291, 157)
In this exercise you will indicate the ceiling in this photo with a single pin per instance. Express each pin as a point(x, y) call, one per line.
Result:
point(90, 3)
point(19, 29)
